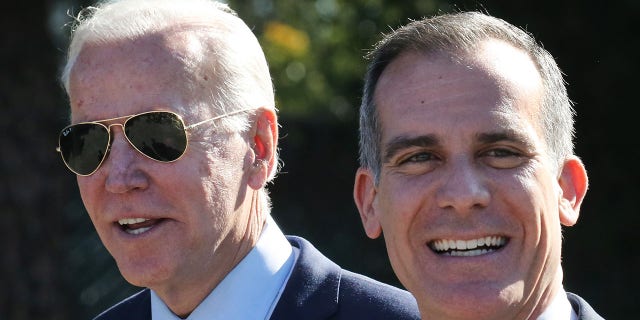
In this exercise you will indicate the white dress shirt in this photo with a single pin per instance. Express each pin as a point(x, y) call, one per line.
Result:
point(560, 308)
point(251, 290)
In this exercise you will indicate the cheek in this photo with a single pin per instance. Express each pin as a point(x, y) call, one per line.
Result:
point(401, 205)
point(533, 202)
point(409, 192)
point(387, 206)
point(221, 177)
point(223, 157)
point(539, 194)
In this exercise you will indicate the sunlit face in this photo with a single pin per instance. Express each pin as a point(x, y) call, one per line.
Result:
point(169, 226)
point(468, 200)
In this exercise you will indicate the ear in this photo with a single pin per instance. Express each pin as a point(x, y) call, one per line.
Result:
point(573, 183)
point(364, 194)
point(264, 135)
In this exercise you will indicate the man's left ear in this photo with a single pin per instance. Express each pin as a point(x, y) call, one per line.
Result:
point(573, 183)
point(264, 134)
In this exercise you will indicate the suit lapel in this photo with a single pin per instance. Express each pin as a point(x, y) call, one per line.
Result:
point(312, 289)
point(136, 307)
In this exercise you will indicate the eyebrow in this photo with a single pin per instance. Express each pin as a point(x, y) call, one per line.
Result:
point(402, 142)
point(506, 135)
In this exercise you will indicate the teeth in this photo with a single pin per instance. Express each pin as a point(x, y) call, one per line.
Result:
point(132, 221)
point(468, 247)
point(469, 253)
point(123, 222)
point(137, 231)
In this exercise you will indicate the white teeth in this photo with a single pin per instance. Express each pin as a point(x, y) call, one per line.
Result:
point(470, 247)
point(122, 222)
point(468, 253)
point(129, 221)
point(137, 231)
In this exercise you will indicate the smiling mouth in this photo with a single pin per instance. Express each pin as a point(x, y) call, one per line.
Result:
point(468, 248)
point(137, 226)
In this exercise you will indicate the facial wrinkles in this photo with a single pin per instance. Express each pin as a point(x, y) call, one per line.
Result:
point(219, 169)
point(233, 148)
point(540, 236)
point(400, 259)
point(541, 290)
point(214, 187)
point(95, 63)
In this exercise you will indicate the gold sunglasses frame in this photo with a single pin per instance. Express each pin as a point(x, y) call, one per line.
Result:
point(124, 123)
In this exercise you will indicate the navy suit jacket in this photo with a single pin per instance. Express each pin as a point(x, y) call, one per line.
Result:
point(317, 289)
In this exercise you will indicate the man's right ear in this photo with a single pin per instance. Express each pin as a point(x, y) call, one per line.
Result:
point(364, 194)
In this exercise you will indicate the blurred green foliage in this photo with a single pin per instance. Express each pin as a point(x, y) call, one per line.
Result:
point(315, 48)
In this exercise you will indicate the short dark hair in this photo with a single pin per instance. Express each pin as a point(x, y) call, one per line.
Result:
point(459, 34)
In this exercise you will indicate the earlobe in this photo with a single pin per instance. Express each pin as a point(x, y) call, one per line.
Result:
point(573, 183)
point(264, 137)
point(364, 195)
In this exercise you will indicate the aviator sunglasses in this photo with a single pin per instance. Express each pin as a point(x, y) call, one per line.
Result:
point(159, 135)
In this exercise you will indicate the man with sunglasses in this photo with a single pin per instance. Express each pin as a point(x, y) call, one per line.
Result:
point(173, 137)
point(467, 168)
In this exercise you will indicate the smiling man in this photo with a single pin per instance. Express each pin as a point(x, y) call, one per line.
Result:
point(173, 138)
point(468, 170)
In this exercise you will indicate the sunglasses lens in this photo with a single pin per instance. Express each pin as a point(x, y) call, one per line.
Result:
point(159, 135)
point(84, 146)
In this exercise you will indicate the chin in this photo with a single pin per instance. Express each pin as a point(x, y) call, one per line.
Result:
point(143, 273)
point(476, 301)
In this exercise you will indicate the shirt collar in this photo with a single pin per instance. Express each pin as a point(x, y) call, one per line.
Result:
point(251, 290)
point(560, 308)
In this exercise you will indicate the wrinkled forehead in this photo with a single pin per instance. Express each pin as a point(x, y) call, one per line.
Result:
point(160, 51)
point(140, 75)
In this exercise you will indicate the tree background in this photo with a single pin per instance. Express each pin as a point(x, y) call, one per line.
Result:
point(53, 266)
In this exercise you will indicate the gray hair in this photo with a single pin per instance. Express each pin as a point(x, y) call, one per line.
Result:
point(460, 33)
point(220, 43)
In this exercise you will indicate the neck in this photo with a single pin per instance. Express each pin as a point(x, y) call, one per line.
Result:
point(187, 295)
point(525, 303)
point(545, 300)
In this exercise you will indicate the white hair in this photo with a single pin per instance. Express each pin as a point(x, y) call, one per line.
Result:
point(218, 42)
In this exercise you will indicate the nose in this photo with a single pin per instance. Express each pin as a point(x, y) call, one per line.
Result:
point(464, 188)
point(122, 166)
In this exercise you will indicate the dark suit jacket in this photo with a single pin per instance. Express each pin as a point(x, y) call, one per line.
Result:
point(317, 289)
point(582, 308)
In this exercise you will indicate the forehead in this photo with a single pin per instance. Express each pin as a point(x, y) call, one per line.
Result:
point(138, 74)
point(171, 50)
point(498, 85)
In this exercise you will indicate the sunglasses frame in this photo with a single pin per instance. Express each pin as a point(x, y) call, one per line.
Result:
point(185, 128)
